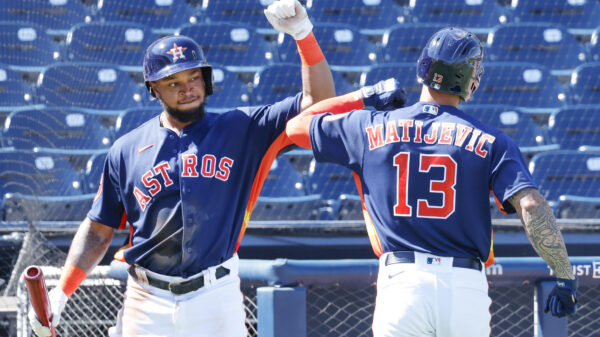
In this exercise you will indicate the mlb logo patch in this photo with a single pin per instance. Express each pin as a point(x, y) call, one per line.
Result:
point(436, 261)
point(430, 109)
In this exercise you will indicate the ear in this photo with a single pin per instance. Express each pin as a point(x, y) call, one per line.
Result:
point(153, 87)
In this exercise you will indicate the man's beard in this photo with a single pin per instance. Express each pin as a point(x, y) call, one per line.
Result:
point(186, 116)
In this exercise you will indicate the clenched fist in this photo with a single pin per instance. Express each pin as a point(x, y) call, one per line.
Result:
point(288, 16)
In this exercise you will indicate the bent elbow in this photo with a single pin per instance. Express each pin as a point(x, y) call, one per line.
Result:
point(298, 133)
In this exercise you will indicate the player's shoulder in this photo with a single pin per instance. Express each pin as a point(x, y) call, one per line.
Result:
point(133, 136)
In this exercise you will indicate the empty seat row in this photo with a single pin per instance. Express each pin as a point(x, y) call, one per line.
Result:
point(240, 48)
point(104, 87)
point(77, 130)
point(369, 15)
point(48, 181)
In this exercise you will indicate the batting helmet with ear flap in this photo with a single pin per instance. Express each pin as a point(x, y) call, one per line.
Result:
point(172, 54)
point(451, 62)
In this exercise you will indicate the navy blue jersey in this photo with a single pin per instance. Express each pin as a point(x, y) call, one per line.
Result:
point(188, 198)
point(425, 175)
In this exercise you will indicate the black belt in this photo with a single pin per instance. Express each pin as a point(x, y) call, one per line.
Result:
point(178, 288)
point(409, 257)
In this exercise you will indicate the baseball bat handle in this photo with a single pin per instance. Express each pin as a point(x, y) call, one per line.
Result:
point(38, 295)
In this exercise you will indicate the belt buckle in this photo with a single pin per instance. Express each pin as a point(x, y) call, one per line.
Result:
point(178, 288)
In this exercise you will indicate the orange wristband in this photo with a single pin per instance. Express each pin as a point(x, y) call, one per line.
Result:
point(309, 50)
point(71, 278)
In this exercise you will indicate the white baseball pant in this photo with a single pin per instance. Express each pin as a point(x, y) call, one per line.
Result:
point(430, 298)
point(215, 310)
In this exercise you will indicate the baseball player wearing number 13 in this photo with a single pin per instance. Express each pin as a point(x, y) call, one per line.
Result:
point(424, 174)
point(186, 181)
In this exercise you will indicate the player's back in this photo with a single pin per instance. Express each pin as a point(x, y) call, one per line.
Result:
point(427, 171)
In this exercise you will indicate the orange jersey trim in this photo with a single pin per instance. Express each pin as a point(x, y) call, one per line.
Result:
point(490, 260)
point(373, 237)
point(498, 202)
point(263, 171)
point(120, 254)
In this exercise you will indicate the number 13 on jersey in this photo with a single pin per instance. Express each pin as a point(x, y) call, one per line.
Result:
point(445, 187)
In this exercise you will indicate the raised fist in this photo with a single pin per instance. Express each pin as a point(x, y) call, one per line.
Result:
point(288, 16)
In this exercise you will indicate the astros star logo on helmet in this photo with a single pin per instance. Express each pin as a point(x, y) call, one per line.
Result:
point(177, 52)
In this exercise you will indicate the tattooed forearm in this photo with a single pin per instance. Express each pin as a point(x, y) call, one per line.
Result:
point(542, 230)
point(89, 245)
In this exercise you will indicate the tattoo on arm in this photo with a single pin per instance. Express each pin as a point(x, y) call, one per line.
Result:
point(89, 245)
point(543, 232)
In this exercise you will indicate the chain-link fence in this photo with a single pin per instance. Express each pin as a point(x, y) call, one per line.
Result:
point(333, 309)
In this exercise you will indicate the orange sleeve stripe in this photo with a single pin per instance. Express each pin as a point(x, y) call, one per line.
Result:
point(71, 278)
point(263, 171)
point(371, 232)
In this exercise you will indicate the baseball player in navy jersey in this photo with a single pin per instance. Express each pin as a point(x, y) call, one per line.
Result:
point(186, 181)
point(424, 174)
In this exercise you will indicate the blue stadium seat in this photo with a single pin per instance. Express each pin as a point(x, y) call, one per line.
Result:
point(14, 91)
point(56, 17)
point(519, 84)
point(94, 86)
point(404, 43)
point(228, 90)
point(463, 13)
point(405, 73)
point(37, 173)
point(529, 136)
point(26, 47)
point(93, 172)
point(278, 81)
point(543, 43)
point(65, 129)
point(345, 48)
point(134, 117)
point(283, 180)
point(300, 159)
point(371, 17)
point(585, 87)
point(595, 45)
point(497, 214)
point(349, 207)
point(236, 46)
point(566, 172)
point(235, 11)
point(119, 43)
point(572, 14)
point(573, 207)
point(308, 207)
point(576, 126)
point(163, 16)
point(330, 180)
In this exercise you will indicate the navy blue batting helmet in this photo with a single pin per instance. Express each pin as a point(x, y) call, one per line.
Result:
point(172, 54)
point(451, 62)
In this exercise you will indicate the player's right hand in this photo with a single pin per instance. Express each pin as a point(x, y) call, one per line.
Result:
point(384, 95)
point(57, 299)
point(562, 300)
point(288, 16)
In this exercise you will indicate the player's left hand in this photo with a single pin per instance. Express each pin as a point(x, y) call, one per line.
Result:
point(288, 16)
point(57, 299)
point(384, 95)
point(562, 300)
